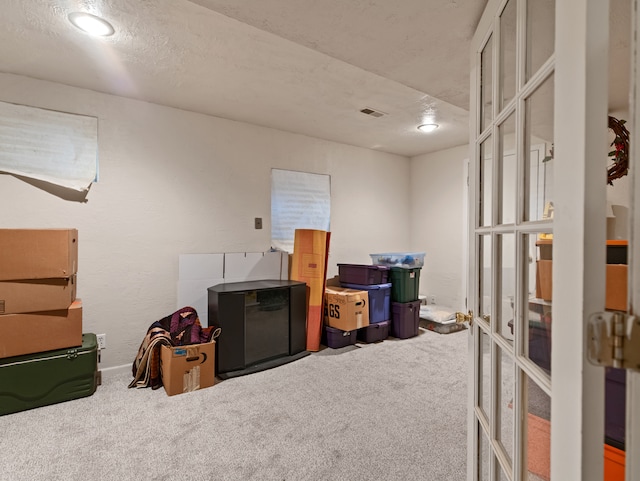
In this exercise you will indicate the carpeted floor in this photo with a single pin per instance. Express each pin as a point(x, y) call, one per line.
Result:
point(394, 410)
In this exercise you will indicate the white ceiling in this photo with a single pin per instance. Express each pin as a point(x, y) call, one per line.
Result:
point(304, 66)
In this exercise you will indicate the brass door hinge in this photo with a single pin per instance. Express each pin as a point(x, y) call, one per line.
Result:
point(614, 340)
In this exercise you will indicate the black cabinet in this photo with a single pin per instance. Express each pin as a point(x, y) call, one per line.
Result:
point(263, 324)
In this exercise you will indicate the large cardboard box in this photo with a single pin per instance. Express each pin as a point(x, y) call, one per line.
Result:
point(33, 332)
point(38, 253)
point(346, 309)
point(35, 295)
point(616, 284)
point(309, 265)
point(187, 368)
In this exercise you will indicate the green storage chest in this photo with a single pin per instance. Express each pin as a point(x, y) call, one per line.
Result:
point(405, 284)
point(50, 377)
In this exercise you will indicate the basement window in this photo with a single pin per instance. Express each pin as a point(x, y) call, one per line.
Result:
point(55, 147)
point(299, 200)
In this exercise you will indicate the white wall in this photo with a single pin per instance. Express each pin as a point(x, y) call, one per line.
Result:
point(437, 222)
point(174, 182)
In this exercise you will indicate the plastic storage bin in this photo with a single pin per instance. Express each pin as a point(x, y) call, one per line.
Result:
point(614, 406)
point(363, 274)
point(336, 338)
point(405, 284)
point(379, 300)
point(405, 319)
point(399, 259)
point(374, 332)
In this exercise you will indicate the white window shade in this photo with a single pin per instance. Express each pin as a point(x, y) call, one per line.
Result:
point(55, 147)
point(299, 200)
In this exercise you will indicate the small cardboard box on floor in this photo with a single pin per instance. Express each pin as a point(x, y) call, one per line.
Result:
point(187, 368)
point(346, 309)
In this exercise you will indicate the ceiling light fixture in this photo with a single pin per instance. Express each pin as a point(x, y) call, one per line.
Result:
point(428, 127)
point(91, 24)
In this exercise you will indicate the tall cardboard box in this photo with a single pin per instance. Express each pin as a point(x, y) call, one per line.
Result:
point(346, 309)
point(187, 368)
point(38, 253)
point(35, 295)
point(33, 332)
point(309, 264)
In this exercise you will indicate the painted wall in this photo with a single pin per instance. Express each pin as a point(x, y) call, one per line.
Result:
point(438, 223)
point(174, 182)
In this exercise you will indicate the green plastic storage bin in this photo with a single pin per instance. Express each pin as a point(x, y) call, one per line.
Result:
point(405, 284)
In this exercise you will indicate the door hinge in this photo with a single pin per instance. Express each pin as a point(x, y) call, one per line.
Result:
point(614, 340)
point(462, 318)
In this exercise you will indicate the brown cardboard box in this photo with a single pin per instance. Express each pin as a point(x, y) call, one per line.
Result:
point(346, 309)
point(35, 295)
point(616, 284)
point(38, 253)
point(33, 332)
point(544, 270)
point(187, 368)
point(616, 287)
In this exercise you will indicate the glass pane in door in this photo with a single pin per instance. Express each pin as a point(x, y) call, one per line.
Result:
point(537, 312)
point(538, 432)
point(486, 85)
point(508, 53)
point(484, 277)
point(484, 458)
point(505, 313)
point(484, 376)
point(507, 170)
point(541, 27)
point(505, 403)
point(485, 175)
point(539, 152)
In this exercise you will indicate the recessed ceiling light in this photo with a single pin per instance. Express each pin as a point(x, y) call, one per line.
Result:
point(428, 127)
point(91, 24)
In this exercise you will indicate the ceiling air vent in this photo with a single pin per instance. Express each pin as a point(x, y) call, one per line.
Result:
point(373, 113)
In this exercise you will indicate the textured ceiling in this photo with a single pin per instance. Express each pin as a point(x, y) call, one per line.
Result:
point(304, 66)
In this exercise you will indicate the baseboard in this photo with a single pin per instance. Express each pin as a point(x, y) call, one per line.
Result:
point(107, 372)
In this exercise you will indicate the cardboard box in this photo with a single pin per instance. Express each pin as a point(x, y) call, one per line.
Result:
point(616, 284)
point(309, 264)
point(38, 253)
point(616, 289)
point(33, 332)
point(346, 309)
point(544, 285)
point(187, 368)
point(35, 295)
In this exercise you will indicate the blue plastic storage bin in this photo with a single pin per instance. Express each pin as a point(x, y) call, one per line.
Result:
point(379, 300)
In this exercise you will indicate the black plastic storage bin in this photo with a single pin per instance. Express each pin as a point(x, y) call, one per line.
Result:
point(405, 319)
point(615, 405)
point(374, 332)
point(363, 274)
point(336, 338)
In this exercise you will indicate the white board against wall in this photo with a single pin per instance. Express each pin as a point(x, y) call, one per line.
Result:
point(198, 272)
point(55, 147)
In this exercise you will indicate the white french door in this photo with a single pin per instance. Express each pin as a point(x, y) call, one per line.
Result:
point(539, 75)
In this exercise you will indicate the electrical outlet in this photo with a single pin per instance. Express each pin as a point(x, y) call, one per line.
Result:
point(258, 222)
point(432, 299)
point(102, 341)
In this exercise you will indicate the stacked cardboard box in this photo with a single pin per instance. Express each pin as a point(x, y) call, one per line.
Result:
point(38, 307)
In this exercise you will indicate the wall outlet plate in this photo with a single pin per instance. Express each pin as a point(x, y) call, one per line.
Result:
point(102, 341)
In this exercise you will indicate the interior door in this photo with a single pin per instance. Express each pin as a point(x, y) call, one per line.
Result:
point(511, 235)
point(632, 428)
